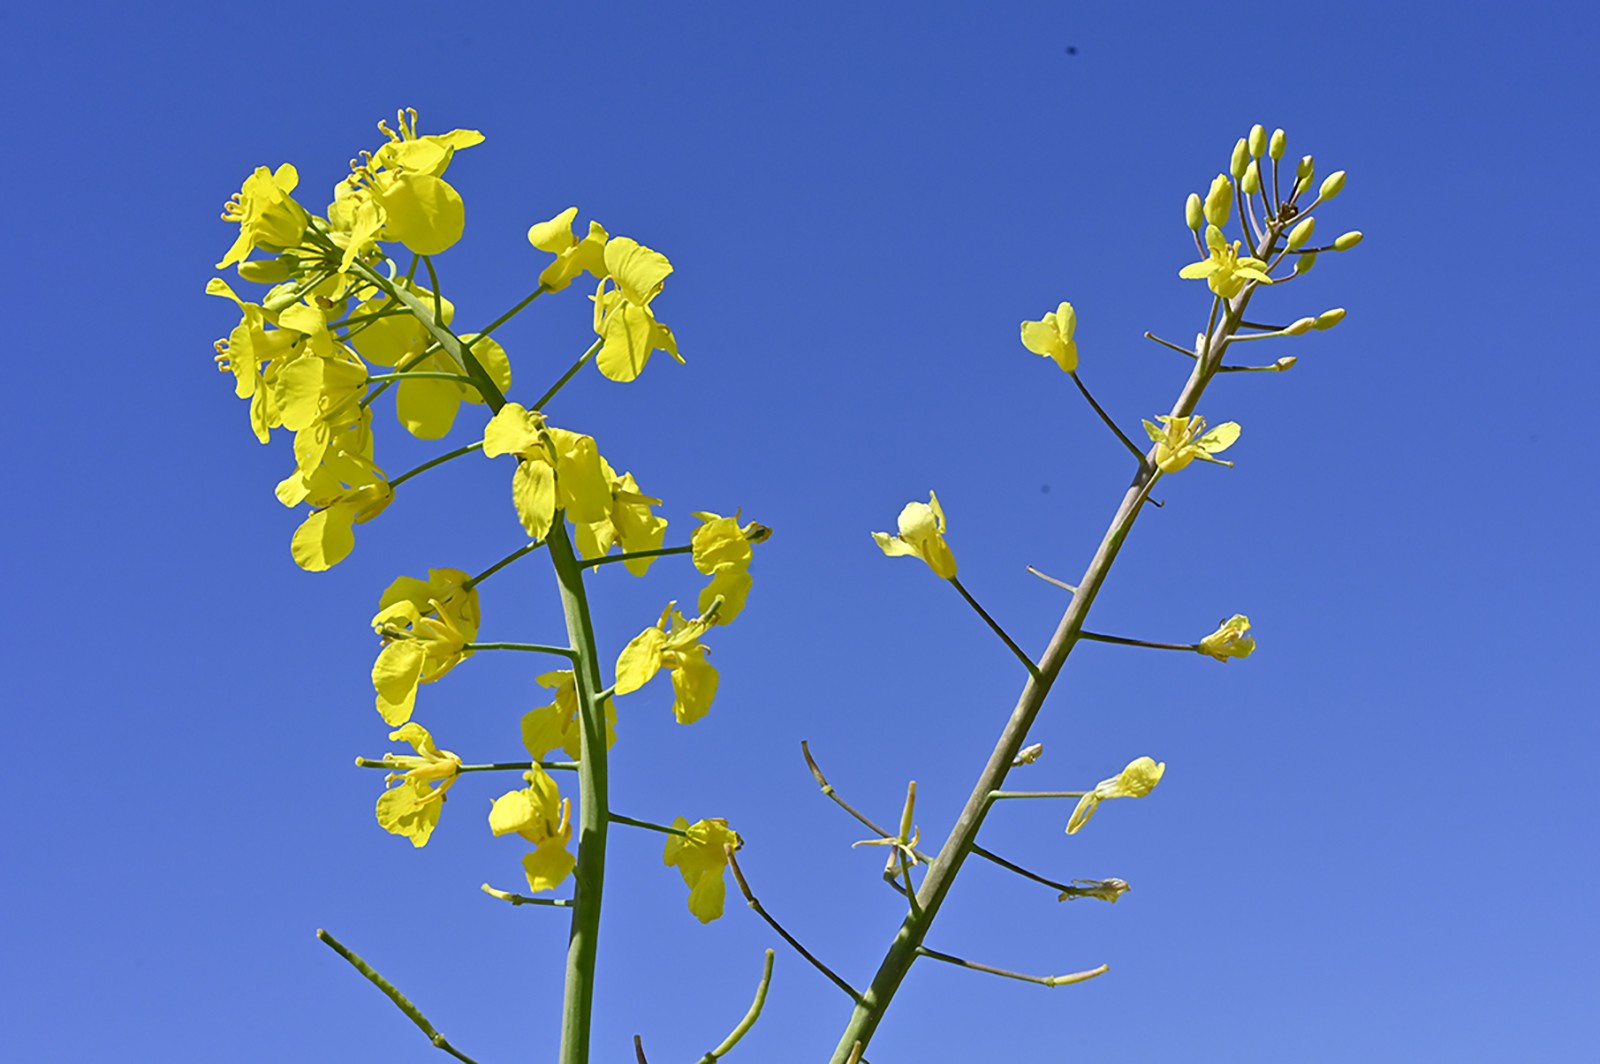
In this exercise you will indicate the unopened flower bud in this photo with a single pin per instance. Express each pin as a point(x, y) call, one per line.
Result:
point(1303, 263)
point(1028, 755)
point(1306, 169)
point(267, 271)
point(1286, 362)
point(1301, 327)
point(1241, 156)
point(1301, 233)
point(1278, 144)
point(1258, 140)
point(1332, 186)
point(1219, 201)
point(1329, 318)
point(1194, 212)
point(1251, 182)
point(1346, 241)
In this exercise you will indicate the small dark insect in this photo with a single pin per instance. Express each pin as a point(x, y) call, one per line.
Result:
point(1072, 49)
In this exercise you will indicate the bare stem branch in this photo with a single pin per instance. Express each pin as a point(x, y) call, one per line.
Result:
point(744, 888)
point(401, 1002)
point(1041, 980)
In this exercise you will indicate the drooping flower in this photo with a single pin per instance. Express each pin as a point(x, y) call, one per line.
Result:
point(623, 318)
point(540, 815)
point(344, 486)
point(1135, 781)
point(426, 628)
point(678, 649)
point(700, 857)
point(268, 217)
point(721, 550)
point(402, 186)
point(921, 535)
point(1052, 337)
point(630, 524)
point(573, 255)
point(1181, 440)
point(1223, 270)
point(557, 469)
point(546, 728)
point(1104, 889)
point(1229, 640)
point(412, 808)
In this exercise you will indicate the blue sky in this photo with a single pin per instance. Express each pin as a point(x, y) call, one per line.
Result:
point(1374, 838)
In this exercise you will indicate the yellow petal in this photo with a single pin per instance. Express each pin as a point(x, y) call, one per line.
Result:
point(548, 865)
point(533, 491)
point(640, 660)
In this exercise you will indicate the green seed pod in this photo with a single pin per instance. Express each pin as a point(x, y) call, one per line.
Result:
point(1219, 201)
point(1241, 156)
point(1346, 241)
point(1251, 182)
point(1193, 212)
point(1301, 233)
point(1303, 263)
point(1332, 186)
point(1279, 143)
point(1301, 327)
point(1329, 318)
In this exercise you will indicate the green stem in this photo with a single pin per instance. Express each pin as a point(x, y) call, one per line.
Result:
point(513, 312)
point(594, 807)
point(1105, 417)
point(996, 796)
point(941, 875)
point(636, 555)
point(497, 766)
point(422, 375)
point(441, 460)
point(750, 899)
point(523, 899)
point(448, 340)
point(1041, 980)
point(1122, 641)
point(565, 377)
point(531, 648)
point(618, 818)
point(1033, 670)
point(401, 1002)
point(750, 1017)
point(502, 563)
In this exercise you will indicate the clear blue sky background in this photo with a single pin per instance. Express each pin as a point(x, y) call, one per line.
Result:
point(1375, 838)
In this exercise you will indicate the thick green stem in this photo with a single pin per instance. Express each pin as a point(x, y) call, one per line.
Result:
point(941, 875)
point(594, 810)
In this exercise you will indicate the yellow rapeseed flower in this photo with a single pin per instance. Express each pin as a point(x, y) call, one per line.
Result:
point(412, 809)
point(268, 217)
point(1052, 337)
point(1181, 440)
point(678, 649)
point(557, 725)
point(921, 535)
point(1223, 270)
point(538, 814)
point(700, 857)
point(1135, 781)
point(1229, 640)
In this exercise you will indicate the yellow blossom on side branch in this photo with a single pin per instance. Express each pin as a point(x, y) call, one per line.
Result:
point(921, 535)
point(1223, 270)
point(678, 649)
point(538, 814)
point(573, 255)
point(1135, 781)
point(1181, 440)
point(623, 318)
point(1051, 337)
point(557, 725)
point(267, 215)
point(1229, 640)
point(721, 550)
point(630, 523)
point(558, 470)
point(424, 637)
point(700, 857)
point(412, 808)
